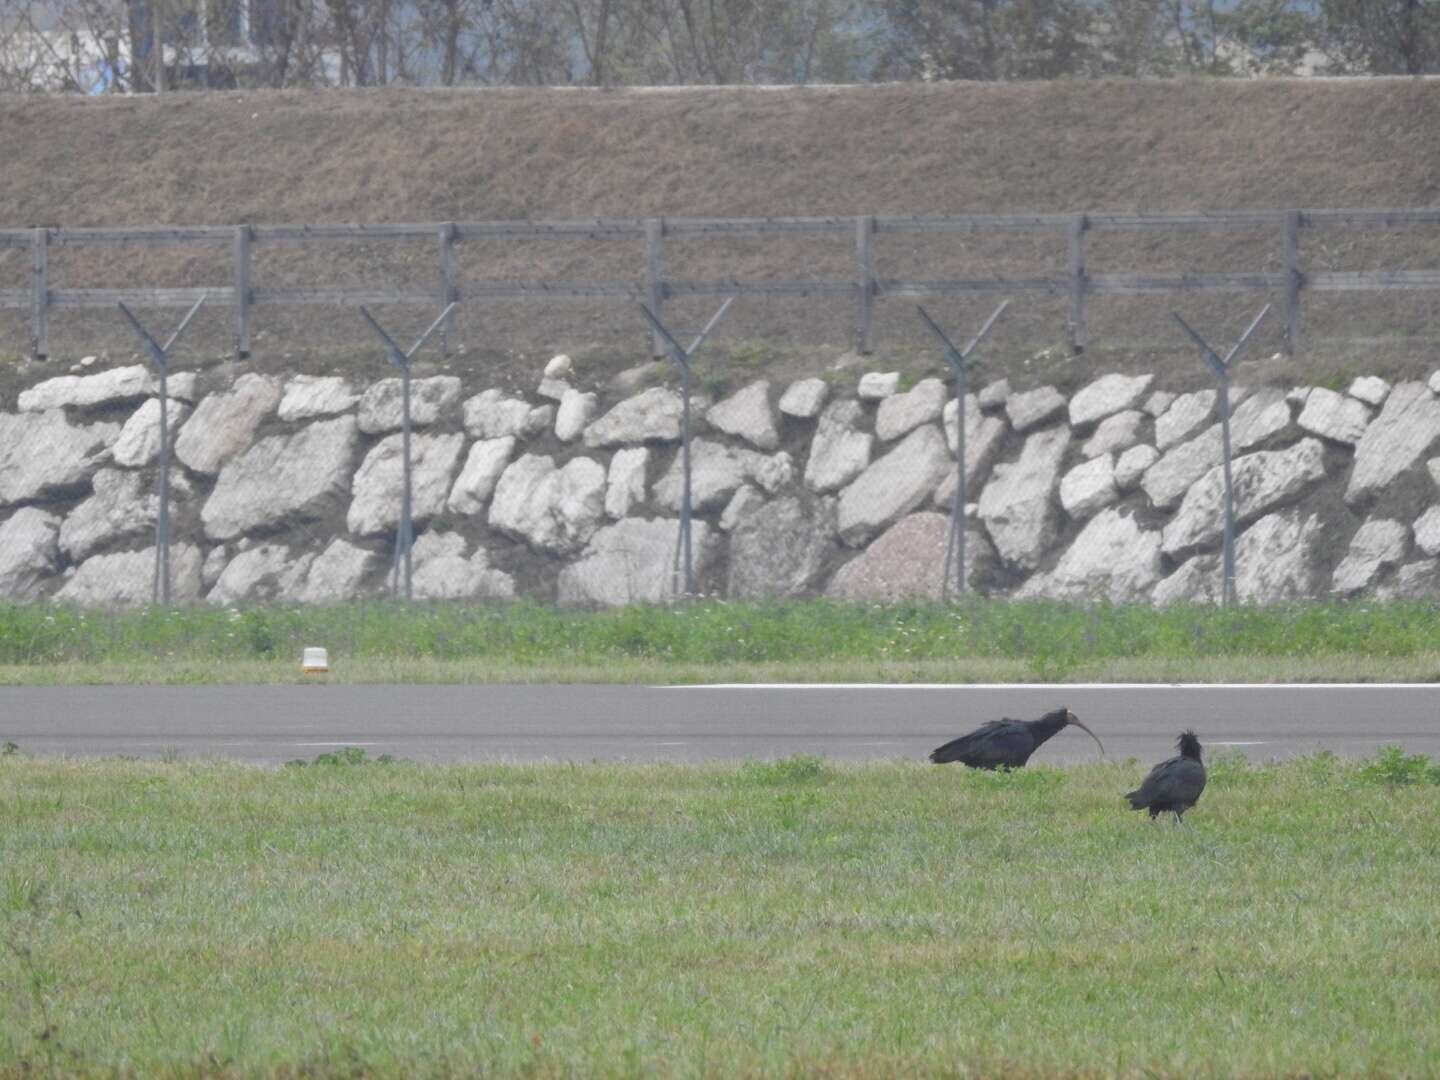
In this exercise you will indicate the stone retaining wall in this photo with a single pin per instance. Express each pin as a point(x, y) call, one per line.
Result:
point(287, 490)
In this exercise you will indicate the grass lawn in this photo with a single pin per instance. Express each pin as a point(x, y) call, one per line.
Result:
point(717, 641)
point(795, 917)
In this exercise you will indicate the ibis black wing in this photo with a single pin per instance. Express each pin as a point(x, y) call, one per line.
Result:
point(1177, 781)
point(991, 745)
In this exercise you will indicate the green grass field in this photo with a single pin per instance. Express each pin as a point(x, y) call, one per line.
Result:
point(791, 918)
point(716, 641)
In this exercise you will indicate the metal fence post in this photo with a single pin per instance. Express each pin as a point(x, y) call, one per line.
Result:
point(955, 538)
point(681, 357)
point(1294, 280)
point(448, 296)
point(1220, 368)
point(405, 531)
point(40, 294)
point(160, 361)
point(864, 282)
point(655, 278)
point(242, 291)
point(1079, 330)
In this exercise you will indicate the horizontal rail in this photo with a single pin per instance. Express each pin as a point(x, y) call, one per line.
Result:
point(15, 298)
point(531, 289)
point(1370, 280)
point(976, 285)
point(139, 297)
point(343, 297)
point(1153, 283)
point(759, 288)
point(211, 234)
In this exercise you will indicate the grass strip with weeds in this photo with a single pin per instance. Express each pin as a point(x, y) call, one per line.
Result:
point(788, 917)
point(714, 640)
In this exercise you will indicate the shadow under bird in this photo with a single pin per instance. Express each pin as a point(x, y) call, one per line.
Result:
point(1007, 743)
point(1175, 784)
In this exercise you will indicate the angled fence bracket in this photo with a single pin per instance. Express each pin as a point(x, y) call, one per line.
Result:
point(955, 538)
point(405, 532)
point(1220, 368)
point(160, 361)
point(682, 356)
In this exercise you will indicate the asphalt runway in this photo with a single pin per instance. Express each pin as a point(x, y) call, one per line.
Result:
point(271, 724)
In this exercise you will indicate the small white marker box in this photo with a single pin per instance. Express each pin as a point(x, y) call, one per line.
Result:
point(315, 661)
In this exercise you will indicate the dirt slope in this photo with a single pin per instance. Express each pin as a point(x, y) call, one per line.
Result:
point(406, 155)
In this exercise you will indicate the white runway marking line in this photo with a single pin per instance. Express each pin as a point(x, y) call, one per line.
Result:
point(1056, 687)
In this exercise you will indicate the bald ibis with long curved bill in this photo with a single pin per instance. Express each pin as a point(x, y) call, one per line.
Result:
point(1008, 743)
point(1175, 784)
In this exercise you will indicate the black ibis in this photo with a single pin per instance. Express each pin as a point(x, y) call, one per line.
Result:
point(1174, 784)
point(1007, 743)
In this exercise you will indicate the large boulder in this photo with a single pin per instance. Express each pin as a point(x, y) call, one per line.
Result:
point(263, 574)
point(804, 399)
point(224, 424)
point(382, 406)
point(493, 415)
point(1427, 532)
point(632, 562)
point(1378, 545)
point(907, 561)
point(556, 510)
point(441, 571)
point(839, 452)
point(877, 385)
point(576, 409)
point(901, 414)
point(42, 455)
point(1132, 464)
point(1419, 580)
point(1185, 416)
point(309, 396)
point(127, 579)
point(1018, 504)
point(379, 483)
point(893, 486)
point(1277, 560)
point(984, 436)
point(87, 391)
point(716, 472)
point(139, 441)
point(1396, 440)
point(652, 416)
point(1261, 418)
point(1113, 559)
point(1370, 389)
point(337, 575)
point(1334, 416)
point(745, 501)
point(1034, 407)
point(1106, 396)
point(483, 467)
point(29, 553)
point(1116, 432)
point(1089, 487)
point(781, 548)
point(121, 506)
point(1262, 481)
point(747, 415)
point(625, 485)
point(303, 476)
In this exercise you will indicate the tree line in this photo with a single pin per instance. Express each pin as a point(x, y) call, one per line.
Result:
point(96, 46)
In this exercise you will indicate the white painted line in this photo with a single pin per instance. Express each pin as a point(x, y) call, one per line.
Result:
point(1235, 742)
point(346, 743)
point(680, 743)
point(1057, 687)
